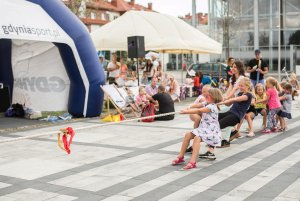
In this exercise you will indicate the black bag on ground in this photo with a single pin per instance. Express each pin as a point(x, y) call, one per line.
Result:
point(18, 110)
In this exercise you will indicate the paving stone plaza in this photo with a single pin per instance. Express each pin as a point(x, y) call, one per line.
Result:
point(132, 161)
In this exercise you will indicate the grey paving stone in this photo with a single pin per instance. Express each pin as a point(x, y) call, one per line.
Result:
point(10, 189)
point(231, 182)
point(276, 186)
point(159, 193)
point(210, 195)
point(207, 167)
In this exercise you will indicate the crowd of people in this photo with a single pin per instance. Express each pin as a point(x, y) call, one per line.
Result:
point(244, 99)
point(156, 87)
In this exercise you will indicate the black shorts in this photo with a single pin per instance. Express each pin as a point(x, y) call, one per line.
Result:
point(251, 109)
point(258, 111)
point(284, 114)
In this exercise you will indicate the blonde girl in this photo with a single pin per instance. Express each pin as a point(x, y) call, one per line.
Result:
point(273, 103)
point(208, 130)
point(250, 114)
point(261, 107)
point(240, 105)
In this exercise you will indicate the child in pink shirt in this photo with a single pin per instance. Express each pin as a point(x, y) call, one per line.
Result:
point(273, 103)
point(141, 99)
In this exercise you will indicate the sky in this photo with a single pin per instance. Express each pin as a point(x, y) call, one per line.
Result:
point(175, 7)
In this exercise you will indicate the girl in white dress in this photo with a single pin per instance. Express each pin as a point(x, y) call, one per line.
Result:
point(208, 131)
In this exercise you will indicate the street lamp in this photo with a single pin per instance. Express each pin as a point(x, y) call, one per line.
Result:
point(279, 41)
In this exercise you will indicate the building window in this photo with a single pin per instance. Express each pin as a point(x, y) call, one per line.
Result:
point(115, 17)
point(93, 15)
point(102, 16)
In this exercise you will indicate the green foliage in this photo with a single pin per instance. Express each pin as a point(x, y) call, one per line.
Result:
point(295, 38)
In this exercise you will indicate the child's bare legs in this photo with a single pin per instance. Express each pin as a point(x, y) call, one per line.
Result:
point(264, 114)
point(195, 154)
point(196, 118)
point(185, 143)
point(282, 123)
point(238, 126)
point(249, 117)
point(196, 148)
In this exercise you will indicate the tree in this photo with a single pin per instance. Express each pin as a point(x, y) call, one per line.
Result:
point(250, 40)
point(77, 6)
point(264, 39)
point(228, 15)
point(294, 38)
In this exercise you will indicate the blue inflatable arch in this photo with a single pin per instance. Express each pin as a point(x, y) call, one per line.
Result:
point(85, 98)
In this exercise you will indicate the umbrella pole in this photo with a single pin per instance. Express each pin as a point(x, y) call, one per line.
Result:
point(163, 63)
point(181, 68)
point(137, 69)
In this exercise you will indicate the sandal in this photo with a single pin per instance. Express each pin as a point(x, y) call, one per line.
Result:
point(178, 161)
point(282, 129)
point(190, 165)
point(250, 134)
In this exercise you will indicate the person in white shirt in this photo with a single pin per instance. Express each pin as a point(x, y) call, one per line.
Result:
point(113, 69)
point(155, 65)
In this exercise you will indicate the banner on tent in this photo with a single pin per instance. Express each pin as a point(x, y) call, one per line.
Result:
point(40, 78)
point(29, 21)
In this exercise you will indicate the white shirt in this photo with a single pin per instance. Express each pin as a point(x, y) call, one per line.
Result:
point(113, 73)
point(155, 64)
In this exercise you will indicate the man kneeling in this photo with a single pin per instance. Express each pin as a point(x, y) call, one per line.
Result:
point(164, 103)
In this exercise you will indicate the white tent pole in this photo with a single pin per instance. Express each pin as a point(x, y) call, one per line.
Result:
point(163, 62)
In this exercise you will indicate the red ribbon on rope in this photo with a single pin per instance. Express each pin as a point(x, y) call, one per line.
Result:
point(65, 144)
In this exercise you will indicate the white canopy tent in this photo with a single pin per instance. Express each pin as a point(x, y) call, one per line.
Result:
point(163, 33)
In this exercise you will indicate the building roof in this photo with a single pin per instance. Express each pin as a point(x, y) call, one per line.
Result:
point(201, 18)
point(101, 5)
point(117, 5)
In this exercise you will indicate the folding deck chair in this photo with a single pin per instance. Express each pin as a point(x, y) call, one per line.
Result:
point(123, 92)
point(115, 97)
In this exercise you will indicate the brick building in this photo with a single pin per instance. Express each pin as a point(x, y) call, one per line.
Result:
point(95, 13)
point(201, 19)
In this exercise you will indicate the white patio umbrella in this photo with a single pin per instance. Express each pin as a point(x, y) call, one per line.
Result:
point(162, 33)
point(150, 54)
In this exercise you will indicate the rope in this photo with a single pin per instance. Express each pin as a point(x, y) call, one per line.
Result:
point(85, 127)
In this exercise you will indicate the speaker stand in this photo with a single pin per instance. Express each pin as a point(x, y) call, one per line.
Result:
point(137, 70)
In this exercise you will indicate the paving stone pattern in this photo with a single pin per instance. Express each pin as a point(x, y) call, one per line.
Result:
point(132, 161)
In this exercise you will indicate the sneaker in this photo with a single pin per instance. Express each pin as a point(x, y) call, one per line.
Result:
point(274, 129)
point(208, 155)
point(234, 134)
point(266, 131)
point(251, 134)
point(224, 144)
point(189, 150)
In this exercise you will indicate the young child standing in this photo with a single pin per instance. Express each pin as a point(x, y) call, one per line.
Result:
point(257, 108)
point(261, 107)
point(273, 103)
point(196, 88)
point(208, 130)
point(285, 111)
